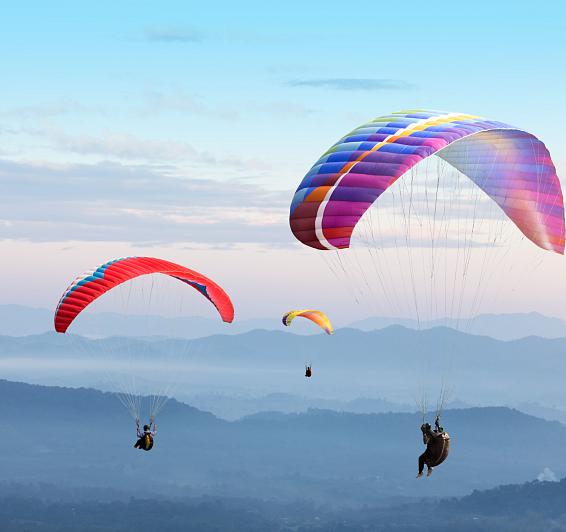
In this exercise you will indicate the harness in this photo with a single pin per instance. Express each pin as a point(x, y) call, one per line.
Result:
point(147, 442)
point(438, 448)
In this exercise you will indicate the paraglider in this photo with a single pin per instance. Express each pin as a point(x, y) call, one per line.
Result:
point(437, 443)
point(430, 235)
point(317, 317)
point(145, 437)
point(510, 165)
point(90, 286)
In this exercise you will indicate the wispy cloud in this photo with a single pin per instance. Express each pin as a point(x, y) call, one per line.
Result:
point(354, 84)
point(127, 147)
point(159, 102)
point(135, 203)
point(50, 109)
point(173, 34)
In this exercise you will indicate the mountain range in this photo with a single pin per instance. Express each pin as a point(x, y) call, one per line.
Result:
point(17, 320)
point(395, 364)
point(83, 437)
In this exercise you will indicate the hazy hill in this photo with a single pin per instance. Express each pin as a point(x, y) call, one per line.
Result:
point(233, 407)
point(499, 326)
point(390, 364)
point(84, 437)
point(18, 320)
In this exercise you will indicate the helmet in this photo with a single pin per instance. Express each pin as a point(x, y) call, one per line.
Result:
point(146, 427)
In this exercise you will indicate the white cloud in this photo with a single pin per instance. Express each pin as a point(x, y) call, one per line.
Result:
point(160, 102)
point(136, 203)
point(354, 84)
point(115, 146)
point(547, 475)
point(50, 109)
point(129, 147)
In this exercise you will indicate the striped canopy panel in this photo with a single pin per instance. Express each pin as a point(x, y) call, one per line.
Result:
point(511, 166)
point(90, 286)
point(316, 316)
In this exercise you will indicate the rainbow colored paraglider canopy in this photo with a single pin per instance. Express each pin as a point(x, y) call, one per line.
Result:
point(90, 286)
point(511, 166)
point(316, 316)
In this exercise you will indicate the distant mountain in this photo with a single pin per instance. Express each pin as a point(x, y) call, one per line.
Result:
point(544, 412)
point(17, 320)
point(233, 407)
point(498, 326)
point(81, 437)
point(391, 364)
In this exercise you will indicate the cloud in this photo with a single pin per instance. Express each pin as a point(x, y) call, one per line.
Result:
point(50, 110)
point(133, 148)
point(547, 475)
point(136, 203)
point(128, 147)
point(354, 84)
point(158, 102)
point(161, 102)
point(173, 34)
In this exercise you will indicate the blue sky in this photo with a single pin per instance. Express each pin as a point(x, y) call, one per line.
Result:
point(136, 127)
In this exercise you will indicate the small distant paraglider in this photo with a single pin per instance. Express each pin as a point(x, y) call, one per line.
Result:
point(316, 316)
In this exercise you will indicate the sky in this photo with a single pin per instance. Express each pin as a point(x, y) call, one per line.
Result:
point(181, 129)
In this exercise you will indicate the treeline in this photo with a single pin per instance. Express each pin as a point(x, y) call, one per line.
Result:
point(19, 514)
point(534, 506)
point(544, 498)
